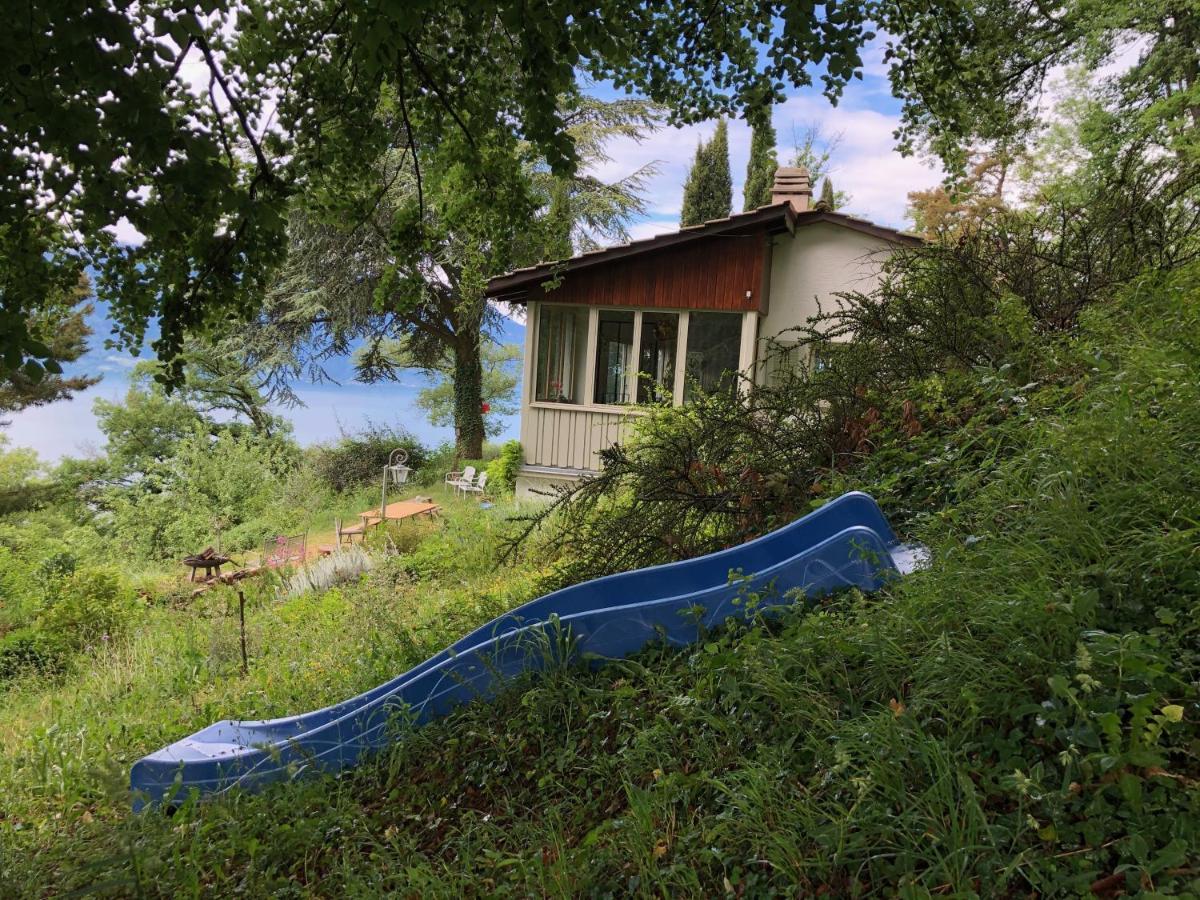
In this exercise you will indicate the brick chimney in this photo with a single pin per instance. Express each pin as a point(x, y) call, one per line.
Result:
point(792, 184)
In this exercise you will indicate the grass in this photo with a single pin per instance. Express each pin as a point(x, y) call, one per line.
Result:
point(1019, 719)
point(65, 748)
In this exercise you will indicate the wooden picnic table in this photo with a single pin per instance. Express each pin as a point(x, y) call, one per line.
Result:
point(398, 511)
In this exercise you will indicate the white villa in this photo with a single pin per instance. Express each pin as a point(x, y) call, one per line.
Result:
point(651, 319)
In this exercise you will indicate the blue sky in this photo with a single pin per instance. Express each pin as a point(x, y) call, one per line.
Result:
point(865, 166)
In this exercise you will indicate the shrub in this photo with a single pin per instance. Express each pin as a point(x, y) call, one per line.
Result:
point(444, 458)
point(91, 603)
point(358, 459)
point(322, 574)
point(31, 650)
point(232, 481)
point(502, 471)
point(464, 546)
point(694, 479)
point(440, 460)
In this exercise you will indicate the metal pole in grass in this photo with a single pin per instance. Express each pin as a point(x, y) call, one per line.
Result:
point(242, 623)
point(382, 503)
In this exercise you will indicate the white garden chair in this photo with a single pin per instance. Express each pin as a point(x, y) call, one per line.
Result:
point(457, 481)
point(479, 487)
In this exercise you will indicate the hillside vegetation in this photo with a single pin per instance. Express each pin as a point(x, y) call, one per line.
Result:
point(1020, 717)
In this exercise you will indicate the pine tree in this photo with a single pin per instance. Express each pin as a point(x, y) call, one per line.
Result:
point(760, 171)
point(828, 196)
point(708, 193)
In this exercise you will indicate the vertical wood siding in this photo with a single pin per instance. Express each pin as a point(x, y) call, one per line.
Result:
point(712, 273)
point(569, 437)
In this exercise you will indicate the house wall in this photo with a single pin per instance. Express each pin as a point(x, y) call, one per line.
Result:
point(792, 274)
point(565, 436)
point(817, 262)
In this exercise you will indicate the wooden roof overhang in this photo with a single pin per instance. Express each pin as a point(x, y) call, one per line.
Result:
point(722, 265)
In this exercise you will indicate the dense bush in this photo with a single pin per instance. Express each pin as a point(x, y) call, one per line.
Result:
point(230, 482)
point(51, 607)
point(464, 546)
point(89, 605)
point(502, 471)
point(999, 301)
point(444, 458)
point(358, 459)
point(31, 649)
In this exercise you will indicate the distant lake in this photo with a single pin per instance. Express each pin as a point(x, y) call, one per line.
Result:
point(68, 428)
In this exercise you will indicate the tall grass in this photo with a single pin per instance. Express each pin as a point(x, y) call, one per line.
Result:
point(1019, 719)
point(344, 564)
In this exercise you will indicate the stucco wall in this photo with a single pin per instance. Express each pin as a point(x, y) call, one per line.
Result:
point(819, 261)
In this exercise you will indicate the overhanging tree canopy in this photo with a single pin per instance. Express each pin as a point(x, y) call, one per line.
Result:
point(197, 124)
point(395, 272)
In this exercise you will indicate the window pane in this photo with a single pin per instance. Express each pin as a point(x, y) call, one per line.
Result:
point(656, 357)
point(561, 354)
point(714, 343)
point(614, 357)
point(782, 361)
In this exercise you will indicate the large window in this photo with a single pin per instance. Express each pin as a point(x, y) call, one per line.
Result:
point(615, 374)
point(615, 357)
point(561, 354)
point(656, 357)
point(714, 342)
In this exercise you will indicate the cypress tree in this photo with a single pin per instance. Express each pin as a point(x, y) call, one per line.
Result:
point(558, 222)
point(828, 198)
point(760, 171)
point(708, 193)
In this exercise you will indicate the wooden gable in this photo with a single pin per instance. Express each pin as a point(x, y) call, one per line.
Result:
point(725, 272)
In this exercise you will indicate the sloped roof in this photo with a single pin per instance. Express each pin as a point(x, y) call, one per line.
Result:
point(773, 218)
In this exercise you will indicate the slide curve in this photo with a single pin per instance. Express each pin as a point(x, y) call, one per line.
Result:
point(847, 542)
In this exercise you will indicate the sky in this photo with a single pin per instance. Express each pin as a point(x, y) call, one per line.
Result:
point(865, 166)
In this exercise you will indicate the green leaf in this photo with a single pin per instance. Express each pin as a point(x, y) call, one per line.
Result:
point(1173, 712)
point(1060, 685)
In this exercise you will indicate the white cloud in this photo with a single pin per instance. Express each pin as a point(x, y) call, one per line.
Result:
point(126, 362)
point(64, 428)
point(125, 233)
point(653, 227)
point(866, 164)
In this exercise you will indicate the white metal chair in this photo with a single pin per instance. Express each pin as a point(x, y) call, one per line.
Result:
point(479, 487)
point(458, 480)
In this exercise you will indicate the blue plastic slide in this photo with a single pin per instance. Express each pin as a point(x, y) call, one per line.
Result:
point(845, 543)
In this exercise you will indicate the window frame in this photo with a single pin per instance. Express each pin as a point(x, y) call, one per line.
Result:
point(588, 403)
point(635, 339)
point(533, 324)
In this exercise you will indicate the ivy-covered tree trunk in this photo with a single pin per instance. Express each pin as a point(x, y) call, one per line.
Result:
point(468, 396)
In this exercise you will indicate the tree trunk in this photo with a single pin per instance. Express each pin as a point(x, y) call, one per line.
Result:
point(468, 396)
